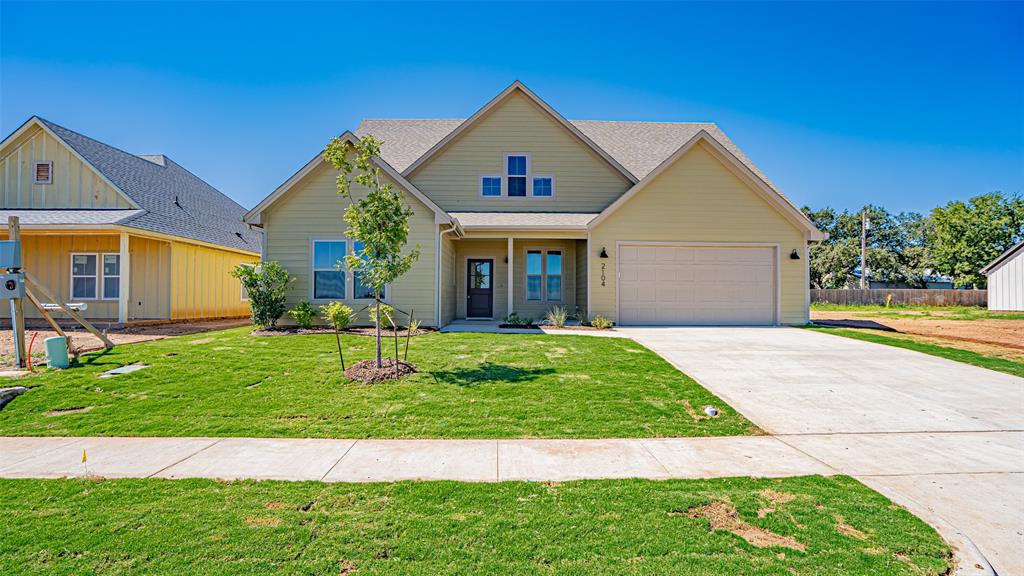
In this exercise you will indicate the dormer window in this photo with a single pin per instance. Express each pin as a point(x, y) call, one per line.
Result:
point(516, 174)
point(42, 173)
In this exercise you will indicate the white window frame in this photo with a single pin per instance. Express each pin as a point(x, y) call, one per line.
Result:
point(99, 276)
point(543, 275)
point(350, 285)
point(102, 282)
point(501, 185)
point(535, 176)
point(313, 269)
point(505, 175)
point(35, 171)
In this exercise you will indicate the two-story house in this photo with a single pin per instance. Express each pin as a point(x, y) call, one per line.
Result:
point(518, 210)
point(128, 237)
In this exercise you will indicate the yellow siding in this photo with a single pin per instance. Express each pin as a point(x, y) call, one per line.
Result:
point(448, 279)
point(581, 273)
point(48, 258)
point(537, 309)
point(313, 209)
point(699, 199)
point(584, 182)
point(202, 285)
point(75, 184)
point(150, 279)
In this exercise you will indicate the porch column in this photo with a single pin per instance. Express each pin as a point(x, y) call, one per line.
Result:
point(511, 276)
point(125, 280)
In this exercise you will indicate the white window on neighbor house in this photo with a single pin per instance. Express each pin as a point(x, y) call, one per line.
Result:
point(516, 171)
point(42, 172)
point(328, 272)
point(490, 185)
point(84, 278)
point(543, 186)
point(111, 273)
point(544, 275)
point(359, 290)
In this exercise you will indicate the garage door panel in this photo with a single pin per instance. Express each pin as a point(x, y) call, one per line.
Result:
point(696, 285)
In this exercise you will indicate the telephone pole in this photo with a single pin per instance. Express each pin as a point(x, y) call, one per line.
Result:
point(864, 248)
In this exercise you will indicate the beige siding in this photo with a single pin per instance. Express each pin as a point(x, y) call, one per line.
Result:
point(581, 274)
point(449, 280)
point(48, 258)
point(482, 249)
point(699, 199)
point(313, 209)
point(75, 184)
point(584, 182)
point(202, 285)
point(537, 309)
point(150, 279)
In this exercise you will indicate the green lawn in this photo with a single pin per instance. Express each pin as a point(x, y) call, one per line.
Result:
point(230, 383)
point(957, 354)
point(927, 312)
point(179, 527)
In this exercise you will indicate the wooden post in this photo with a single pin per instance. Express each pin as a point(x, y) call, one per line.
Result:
point(29, 279)
point(17, 304)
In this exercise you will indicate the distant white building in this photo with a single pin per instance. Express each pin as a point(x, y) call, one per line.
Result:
point(1006, 280)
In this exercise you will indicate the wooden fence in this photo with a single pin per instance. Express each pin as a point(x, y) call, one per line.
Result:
point(901, 296)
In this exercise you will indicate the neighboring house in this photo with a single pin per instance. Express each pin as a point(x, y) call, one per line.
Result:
point(517, 209)
point(132, 237)
point(1006, 280)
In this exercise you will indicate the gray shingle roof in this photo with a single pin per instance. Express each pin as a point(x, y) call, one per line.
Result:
point(173, 200)
point(87, 217)
point(524, 219)
point(639, 146)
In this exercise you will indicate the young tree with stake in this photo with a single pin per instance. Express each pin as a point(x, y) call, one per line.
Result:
point(380, 220)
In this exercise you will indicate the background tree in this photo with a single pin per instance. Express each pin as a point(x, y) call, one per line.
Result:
point(379, 219)
point(966, 236)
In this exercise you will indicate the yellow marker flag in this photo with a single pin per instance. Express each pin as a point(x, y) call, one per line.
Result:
point(83, 456)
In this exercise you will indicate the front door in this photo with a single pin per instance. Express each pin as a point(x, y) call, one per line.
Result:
point(479, 288)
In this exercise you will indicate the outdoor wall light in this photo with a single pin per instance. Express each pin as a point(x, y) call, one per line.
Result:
point(603, 254)
point(794, 255)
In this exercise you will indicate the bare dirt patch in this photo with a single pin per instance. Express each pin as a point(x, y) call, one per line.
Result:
point(262, 522)
point(845, 529)
point(63, 411)
point(723, 516)
point(1003, 336)
point(368, 373)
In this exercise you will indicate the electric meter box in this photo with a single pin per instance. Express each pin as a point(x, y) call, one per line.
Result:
point(12, 285)
point(10, 254)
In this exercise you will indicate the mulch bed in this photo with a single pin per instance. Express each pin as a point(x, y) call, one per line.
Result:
point(573, 327)
point(368, 372)
point(359, 331)
point(520, 326)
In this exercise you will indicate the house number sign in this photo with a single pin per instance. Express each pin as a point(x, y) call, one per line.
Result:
point(602, 273)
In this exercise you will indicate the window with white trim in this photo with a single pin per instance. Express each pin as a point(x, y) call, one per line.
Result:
point(516, 170)
point(544, 186)
point(328, 269)
point(42, 172)
point(111, 276)
point(359, 290)
point(84, 280)
point(490, 185)
point(544, 275)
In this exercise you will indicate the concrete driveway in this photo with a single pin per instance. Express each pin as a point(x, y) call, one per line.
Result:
point(942, 438)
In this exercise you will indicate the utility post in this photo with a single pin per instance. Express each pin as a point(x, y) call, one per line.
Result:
point(17, 304)
point(864, 225)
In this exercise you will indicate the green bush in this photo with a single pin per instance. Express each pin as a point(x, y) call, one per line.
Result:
point(387, 315)
point(514, 319)
point(581, 315)
point(601, 323)
point(266, 284)
point(556, 316)
point(303, 314)
point(337, 314)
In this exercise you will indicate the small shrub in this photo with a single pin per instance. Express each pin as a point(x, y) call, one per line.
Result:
point(303, 314)
point(387, 315)
point(266, 284)
point(580, 315)
point(556, 316)
point(514, 319)
point(601, 323)
point(337, 314)
point(414, 325)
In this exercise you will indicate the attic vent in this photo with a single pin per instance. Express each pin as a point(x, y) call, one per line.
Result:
point(43, 172)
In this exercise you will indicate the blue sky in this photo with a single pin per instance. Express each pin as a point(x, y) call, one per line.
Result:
point(903, 105)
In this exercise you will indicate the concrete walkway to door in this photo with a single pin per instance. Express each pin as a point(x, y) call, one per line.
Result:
point(942, 438)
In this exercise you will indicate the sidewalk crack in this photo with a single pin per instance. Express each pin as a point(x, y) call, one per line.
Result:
point(335, 465)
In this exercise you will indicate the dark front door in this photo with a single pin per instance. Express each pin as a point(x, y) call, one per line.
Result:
point(479, 288)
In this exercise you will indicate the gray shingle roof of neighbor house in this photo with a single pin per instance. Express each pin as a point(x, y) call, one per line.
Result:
point(638, 146)
point(1002, 258)
point(173, 200)
point(81, 217)
point(524, 219)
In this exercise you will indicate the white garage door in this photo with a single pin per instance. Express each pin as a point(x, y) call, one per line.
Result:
point(708, 285)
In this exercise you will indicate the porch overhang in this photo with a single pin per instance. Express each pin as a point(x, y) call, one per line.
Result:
point(524, 224)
